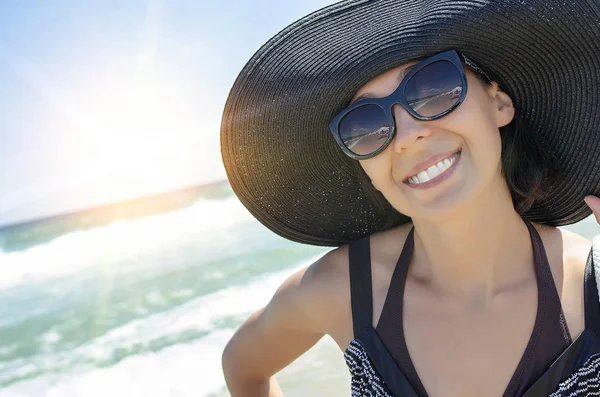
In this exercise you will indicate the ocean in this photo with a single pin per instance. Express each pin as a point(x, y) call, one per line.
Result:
point(145, 306)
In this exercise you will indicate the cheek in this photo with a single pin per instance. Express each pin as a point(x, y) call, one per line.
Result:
point(487, 149)
point(490, 134)
point(371, 168)
point(380, 171)
point(479, 119)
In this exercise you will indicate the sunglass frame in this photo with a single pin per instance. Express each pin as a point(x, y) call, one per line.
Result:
point(399, 97)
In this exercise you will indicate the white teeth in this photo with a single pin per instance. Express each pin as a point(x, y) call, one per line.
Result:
point(433, 171)
point(423, 177)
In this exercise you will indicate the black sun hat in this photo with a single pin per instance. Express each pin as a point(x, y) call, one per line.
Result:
point(284, 164)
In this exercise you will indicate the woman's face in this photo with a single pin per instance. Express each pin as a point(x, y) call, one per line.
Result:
point(470, 130)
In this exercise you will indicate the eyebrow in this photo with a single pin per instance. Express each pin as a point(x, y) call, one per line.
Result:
point(399, 78)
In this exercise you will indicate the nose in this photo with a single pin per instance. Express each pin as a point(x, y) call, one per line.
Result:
point(408, 129)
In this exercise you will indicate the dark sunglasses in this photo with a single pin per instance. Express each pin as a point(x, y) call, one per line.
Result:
point(430, 90)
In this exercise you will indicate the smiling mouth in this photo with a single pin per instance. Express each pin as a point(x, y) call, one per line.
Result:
point(434, 173)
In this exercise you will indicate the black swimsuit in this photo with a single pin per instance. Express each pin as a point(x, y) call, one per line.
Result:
point(552, 363)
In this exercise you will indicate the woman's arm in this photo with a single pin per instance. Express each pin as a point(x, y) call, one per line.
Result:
point(296, 318)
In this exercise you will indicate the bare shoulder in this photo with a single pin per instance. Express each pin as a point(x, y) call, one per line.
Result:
point(307, 305)
point(576, 249)
point(322, 290)
point(572, 247)
point(321, 293)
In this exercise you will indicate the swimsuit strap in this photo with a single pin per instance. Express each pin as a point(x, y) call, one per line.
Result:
point(549, 337)
point(360, 284)
point(548, 297)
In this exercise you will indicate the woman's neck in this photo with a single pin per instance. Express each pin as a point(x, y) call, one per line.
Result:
point(476, 254)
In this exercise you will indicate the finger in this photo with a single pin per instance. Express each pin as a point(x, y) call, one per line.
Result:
point(594, 203)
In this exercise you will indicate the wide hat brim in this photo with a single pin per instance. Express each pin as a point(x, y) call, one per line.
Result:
point(283, 163)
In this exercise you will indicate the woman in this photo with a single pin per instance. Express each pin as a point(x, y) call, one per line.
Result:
point(438, 144)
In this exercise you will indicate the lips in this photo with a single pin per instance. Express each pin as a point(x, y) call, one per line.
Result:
point(422, 166)
point(440, 178)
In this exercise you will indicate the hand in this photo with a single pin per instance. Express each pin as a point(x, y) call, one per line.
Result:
point(594, 203)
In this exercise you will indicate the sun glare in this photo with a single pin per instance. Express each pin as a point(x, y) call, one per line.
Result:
point(122, 124)
point(139, 139)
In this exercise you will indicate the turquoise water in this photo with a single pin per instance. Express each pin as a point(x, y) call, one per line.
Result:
point(144, 307)
point(140, 307)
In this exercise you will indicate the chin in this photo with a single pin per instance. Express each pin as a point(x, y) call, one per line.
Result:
point(451, 203)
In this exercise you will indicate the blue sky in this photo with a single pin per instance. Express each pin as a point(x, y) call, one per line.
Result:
point(105, 100)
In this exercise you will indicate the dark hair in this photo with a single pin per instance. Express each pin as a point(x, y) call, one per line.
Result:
point(528, 167)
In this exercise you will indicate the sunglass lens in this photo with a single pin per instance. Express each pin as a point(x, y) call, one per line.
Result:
point(434, 89)
point(365, 129)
